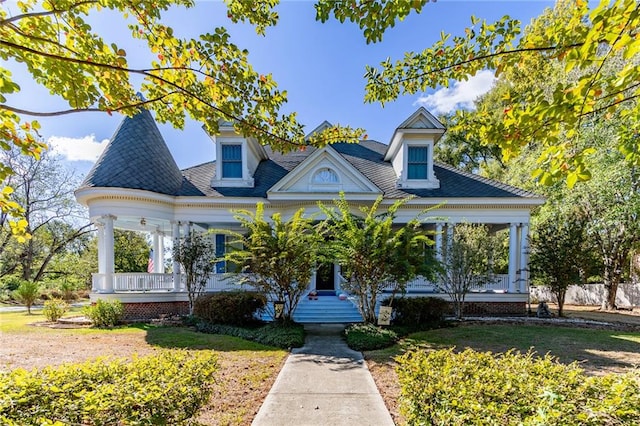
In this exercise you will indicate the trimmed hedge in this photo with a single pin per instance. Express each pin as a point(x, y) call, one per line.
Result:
point(418, 311)
point(283, 336)
point(448, 388)
point(231, 308)
point(166, 388)
point(367, 337)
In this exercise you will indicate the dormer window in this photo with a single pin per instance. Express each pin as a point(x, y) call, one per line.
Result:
point(232, 161)
point(417, 162)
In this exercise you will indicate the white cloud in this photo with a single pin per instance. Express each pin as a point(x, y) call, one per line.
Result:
point(460, 95)
point(86, 148)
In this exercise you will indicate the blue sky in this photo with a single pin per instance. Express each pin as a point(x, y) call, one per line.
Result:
point(320, 65)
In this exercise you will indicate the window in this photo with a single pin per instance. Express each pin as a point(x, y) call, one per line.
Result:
point(231, 161)
point(325, 176)
point(226, 244)
point(417, 164)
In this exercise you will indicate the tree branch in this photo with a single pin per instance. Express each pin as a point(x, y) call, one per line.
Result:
point(46, 13)
point(179, 88)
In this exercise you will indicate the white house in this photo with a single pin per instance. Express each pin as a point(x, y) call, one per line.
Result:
point(136, 185)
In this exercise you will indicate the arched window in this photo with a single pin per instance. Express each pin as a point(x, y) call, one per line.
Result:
point(325, 176)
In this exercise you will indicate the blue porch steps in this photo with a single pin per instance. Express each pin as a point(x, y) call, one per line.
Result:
point(327, 309)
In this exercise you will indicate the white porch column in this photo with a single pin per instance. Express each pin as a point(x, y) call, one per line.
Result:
point(450, 230)
point(439, 241)
point(160, 262)
point(513, 257)
point(175, 235)
point(158, 251)
point(101, 251)
point(524, 258)
point(109, 267)
point(186, 229)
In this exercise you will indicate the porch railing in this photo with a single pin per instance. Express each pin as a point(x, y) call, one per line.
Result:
point(143, 282)
point(139, 281)
point(499, 284)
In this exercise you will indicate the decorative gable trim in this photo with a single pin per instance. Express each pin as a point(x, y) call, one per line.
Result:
point(421, 122)
point(321, 176)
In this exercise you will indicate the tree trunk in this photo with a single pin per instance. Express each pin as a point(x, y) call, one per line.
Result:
point(611, 281)
point(560, 296)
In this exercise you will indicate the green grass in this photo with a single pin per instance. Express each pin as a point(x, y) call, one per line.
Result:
point(21, 322)
point(609, 348)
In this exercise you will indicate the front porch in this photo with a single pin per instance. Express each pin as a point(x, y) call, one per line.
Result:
point(150, 295)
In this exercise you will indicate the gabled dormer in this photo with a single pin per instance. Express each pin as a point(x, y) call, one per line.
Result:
point(237, 158)
point(411, 150)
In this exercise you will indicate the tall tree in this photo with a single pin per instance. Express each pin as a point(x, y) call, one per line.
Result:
point(277, 256)
point(44, 187)
point(587, 41)
point(376, 255)
point(610, 202)
point(559, 250)
point(466, 263)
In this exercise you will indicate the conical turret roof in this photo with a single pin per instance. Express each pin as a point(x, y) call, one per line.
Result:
point(136, 157)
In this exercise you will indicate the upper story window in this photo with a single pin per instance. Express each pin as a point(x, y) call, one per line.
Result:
point(325, 176)
point(231, 161)
point(418, 162)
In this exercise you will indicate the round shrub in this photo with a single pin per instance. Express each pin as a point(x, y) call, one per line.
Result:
point(418, 312)
point(54, 309)
point(367, 337)
point(105, 313)
point(232, 308)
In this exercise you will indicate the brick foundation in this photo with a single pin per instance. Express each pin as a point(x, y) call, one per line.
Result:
point(494, 308)
point(151, 310)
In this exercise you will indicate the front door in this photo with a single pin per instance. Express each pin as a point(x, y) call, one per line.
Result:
point(324, 276)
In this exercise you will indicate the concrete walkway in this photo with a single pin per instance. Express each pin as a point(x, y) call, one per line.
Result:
point(324, 383)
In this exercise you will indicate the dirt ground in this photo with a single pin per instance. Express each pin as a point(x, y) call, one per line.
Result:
point(387, 381)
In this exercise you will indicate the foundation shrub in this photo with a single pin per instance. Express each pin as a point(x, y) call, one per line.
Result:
point(231, 308)
point(105, 313)
point(54, 309)
point(367, 337)
point(166, 388)
point(418, 312)
point(448, 388)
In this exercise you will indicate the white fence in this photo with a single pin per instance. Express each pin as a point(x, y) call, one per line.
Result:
point(591, 294)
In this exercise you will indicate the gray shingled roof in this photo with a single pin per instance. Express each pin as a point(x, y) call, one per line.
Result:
point(367, 157)
point(137, 157)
